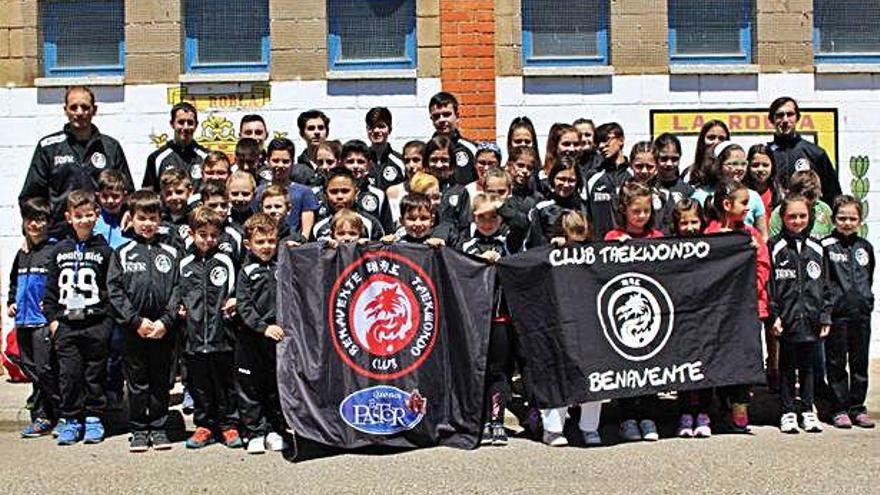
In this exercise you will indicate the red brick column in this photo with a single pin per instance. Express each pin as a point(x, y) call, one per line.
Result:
point(467, 63)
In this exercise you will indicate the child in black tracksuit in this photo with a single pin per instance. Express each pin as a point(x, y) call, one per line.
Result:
point(76, 306)
point(851, 275)
point(258, 399)
point(143, 283)
point(800, 307)
point(27, 285)
point(497, 230)
point(207, 303)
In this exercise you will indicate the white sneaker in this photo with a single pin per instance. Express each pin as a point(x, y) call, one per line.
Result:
point(256, 445)
point(788, 423)
point(555, 439)
point(810, 422)
point(275, 442)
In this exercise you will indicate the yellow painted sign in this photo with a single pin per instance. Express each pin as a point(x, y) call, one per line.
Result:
point(257, 96)
point(821, 124)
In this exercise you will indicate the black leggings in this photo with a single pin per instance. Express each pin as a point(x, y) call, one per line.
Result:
point(796, 364)
point(499, 368)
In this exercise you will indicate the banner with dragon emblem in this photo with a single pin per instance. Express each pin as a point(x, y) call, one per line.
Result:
point(385, 345)
point(612, 320)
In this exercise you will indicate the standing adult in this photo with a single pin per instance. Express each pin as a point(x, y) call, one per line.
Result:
point(443, 108)
point(72, 158)
point(183, 152)
point(792, 153)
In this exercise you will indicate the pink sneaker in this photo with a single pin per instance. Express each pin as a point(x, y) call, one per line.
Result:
point(739, 416)
point(862, 420)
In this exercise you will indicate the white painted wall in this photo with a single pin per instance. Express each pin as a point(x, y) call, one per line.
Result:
point(133, 113)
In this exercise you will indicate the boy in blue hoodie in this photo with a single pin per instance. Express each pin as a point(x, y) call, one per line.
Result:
point(26, 287)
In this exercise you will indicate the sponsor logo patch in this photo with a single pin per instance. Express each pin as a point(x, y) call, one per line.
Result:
point(383, 410)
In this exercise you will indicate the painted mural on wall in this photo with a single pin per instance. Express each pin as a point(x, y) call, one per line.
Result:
point(861, 185)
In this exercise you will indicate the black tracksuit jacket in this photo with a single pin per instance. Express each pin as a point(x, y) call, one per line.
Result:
point(143, 283)
point(60, 165)
point(206, 283)
point(851, 274)
point(799, 291)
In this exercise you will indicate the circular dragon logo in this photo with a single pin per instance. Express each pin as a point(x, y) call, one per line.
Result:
point(636, 314)
point(383, 315)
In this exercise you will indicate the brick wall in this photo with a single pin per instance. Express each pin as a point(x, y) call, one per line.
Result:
point(18, 42)
point(467, 49)
point(153, 41)
point(784, 35)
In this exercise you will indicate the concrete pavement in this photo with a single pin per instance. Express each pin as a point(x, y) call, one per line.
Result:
point(766, 461)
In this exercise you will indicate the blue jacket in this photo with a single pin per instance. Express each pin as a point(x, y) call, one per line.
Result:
point(27, 283)
point(109, 226)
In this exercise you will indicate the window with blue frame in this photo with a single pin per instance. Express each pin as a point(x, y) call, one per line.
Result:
point(371, 34)
point(705, 32)
point(846, 31)
point(83, 38)
point(564, 35)
point(226, 35)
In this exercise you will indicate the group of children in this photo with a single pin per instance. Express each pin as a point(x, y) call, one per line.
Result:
point(186, 271)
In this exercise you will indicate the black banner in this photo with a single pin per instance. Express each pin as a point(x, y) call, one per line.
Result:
point(611, 320)
point(384, 345)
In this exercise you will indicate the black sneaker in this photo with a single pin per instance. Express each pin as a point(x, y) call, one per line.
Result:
point(160, 440)
point(486, 438)
point(499, 434)
point(140, 442)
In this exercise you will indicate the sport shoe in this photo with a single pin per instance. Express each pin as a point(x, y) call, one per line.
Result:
point(841, 420)
point(256, 445)
point(486, 439)
point(555, 439)
point(739, 417)
point(38, 428)
point(232, 439)
point(160, 440)
point(94, 430)
point(788, 423)
point(499, 434)
point(810, 422)
point(649, 430)
point(140, 442)
point(629, 431)
point(686, 426)
point(591, 438)
point(703, 428)
point(201, 438)
point(862, 420)
point(187, 404)
point(275, 442)
point(69, 431)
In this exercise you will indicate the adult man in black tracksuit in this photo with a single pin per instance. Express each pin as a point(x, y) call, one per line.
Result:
point(72, 159)
point(183, 152)
point(792, 153)
point(443, 109)
point(143, 294)
point(77, 307)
